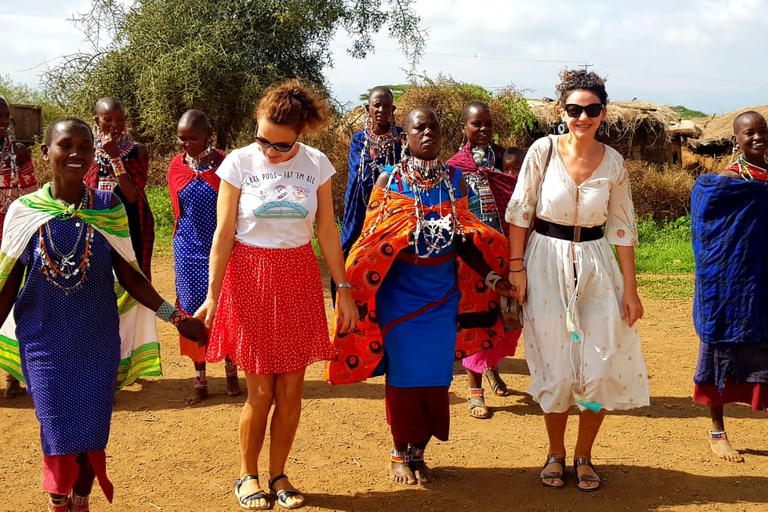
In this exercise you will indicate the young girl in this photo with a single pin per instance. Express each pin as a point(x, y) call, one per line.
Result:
point(481, 162)
point(729, 221)
point(17, 177)
point(194, 186)
point(60, 248)
point(121, 166)
point(265, 287)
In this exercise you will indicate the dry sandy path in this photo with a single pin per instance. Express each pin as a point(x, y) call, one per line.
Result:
point(166, 455)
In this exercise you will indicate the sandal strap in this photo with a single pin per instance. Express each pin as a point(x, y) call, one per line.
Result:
point(584, 461)
point(245, 478)
point(555, 459)
point(273, 481)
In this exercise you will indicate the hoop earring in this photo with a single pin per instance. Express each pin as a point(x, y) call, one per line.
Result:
point(602, 129)
point(562, 128)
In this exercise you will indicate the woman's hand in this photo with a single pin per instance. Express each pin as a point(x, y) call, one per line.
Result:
point(504, 288)
point(631, 305)
point(519, 281)
point(109, 143)
point(193, 329)
point(207, 312)
point(348, 313)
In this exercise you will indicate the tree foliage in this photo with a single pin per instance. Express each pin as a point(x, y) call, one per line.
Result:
point(162, 57)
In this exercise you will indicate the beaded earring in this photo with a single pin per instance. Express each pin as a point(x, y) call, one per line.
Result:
point(602, 129)
point(562, 128)
point(733, 154)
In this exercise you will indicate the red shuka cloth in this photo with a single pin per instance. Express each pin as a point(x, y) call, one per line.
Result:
point(180, 175)
point(502, 185)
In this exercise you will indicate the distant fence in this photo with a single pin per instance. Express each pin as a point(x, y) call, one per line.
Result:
point(27, 123)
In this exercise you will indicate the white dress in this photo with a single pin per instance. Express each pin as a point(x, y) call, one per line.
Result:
point(577, 343)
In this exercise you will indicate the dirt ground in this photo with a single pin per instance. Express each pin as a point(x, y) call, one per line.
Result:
point(166, 455)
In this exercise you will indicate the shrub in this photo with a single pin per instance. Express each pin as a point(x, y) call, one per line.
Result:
point(662, 193)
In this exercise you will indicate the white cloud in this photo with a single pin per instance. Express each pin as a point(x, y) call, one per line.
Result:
point(700, 53)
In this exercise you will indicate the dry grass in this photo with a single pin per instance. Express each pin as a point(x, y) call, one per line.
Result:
point(703, 164)
point(660, 192)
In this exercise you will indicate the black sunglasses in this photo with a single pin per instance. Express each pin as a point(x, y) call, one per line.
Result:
point(592, 110)
point(282, 147)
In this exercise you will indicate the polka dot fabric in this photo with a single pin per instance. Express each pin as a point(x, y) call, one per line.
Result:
point(70, 343)
point(191, 250)
point(271, 312)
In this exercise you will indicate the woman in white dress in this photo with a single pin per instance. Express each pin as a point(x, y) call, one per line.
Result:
point(581, 341)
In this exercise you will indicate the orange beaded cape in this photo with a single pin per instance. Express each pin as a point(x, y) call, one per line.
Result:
point(479, 324)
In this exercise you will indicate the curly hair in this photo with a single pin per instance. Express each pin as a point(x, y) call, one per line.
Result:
point(580, 80)
point(293, 104)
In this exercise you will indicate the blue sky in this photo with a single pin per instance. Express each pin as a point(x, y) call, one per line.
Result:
point(710, 55)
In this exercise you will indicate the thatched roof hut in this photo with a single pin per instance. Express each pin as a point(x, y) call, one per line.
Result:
point(639, 130)
point(716, 131)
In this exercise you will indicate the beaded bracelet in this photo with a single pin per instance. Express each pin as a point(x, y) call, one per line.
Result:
point(118, 167)
point(516, 271)
point(167, 313)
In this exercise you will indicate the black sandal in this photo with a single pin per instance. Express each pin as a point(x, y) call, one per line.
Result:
point(584, 461)
point(245, 501)
point(554, 459)
point(283, 495)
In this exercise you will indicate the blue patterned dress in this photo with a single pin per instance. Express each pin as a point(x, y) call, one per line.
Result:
point(70, 343)
point(192, 243)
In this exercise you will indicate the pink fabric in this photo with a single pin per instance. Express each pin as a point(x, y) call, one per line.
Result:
point(60, 473)
point(491, 357)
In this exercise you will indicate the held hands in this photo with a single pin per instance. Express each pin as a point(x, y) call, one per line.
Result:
point(207, 312)
point(504, 288)
point(631, 306)
point(348, 313)
point(193, 329)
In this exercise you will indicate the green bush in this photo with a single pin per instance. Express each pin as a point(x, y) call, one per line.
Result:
point(160, 203)
point(665, 248)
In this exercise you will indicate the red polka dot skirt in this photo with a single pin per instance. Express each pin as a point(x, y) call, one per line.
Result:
point(271, 312)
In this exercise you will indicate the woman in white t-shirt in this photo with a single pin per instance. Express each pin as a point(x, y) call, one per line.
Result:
point(265, 289)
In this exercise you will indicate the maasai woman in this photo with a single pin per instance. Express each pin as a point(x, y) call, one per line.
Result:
point(481, 162)
point(582, 345)
point(406, 280)
point(370, 150)
point(121, 167)
point(58, 255)
point(729, 221)
point(194, 187)
point(265, 288)
point(17, 177)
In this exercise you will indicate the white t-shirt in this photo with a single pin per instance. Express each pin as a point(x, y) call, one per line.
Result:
point(278, 202)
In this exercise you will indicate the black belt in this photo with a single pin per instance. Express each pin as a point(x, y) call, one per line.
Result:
point(571, 233)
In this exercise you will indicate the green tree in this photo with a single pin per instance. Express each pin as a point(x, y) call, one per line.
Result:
point(165, 56)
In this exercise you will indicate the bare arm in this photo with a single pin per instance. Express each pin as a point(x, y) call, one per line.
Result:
point(221, 250)
point(517, 274)
point(330, 245)
point(11, 290)
point(632, 307)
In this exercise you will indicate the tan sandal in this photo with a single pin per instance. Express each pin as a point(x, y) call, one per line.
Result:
point(476, 404)
point(497, 385)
